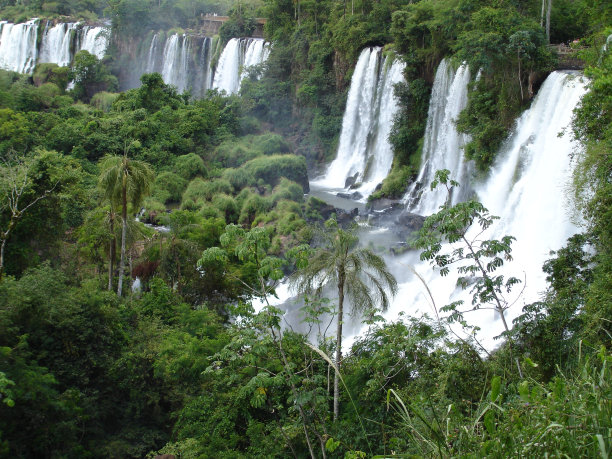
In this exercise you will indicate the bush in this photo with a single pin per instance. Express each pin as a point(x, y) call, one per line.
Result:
point(271, 169)
point(104, 100)
point(169, 187)
point(190, 166)
point(198, 189)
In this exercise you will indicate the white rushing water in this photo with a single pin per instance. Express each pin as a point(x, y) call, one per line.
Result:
point(175, 64)
point(94, 40)
point(18, 47)
point(56, 43)
point(364, 152)
point(182, 60)
point(237, 56)
point(527, 189)
point(442, 145)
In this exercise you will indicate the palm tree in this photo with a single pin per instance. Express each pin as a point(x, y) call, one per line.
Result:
point(124, 180)
point(358, 273)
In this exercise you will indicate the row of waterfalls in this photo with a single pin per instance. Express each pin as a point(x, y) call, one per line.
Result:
point(183, 60)
point(526, 186)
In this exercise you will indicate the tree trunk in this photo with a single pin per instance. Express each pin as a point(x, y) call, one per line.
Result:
point(112, 252)
point(5, 237)
point(123, 237)
point(548, 9)
point(2, 257)
point(338, 343)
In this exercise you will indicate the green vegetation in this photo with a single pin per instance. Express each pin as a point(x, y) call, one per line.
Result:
point(143, 236)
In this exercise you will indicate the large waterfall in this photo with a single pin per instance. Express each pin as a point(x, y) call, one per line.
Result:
point(527, 189)
point(238, 55)
point(20, 50)
point(442, 146)
point(364, 153)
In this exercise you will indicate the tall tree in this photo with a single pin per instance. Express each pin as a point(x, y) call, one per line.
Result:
point(358, 273)
point(124, 181)
point(17, 196)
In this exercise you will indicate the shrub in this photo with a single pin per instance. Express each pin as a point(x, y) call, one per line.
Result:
point(271, 169)
point(200, 189)
point(190, 166)
point(169, 187)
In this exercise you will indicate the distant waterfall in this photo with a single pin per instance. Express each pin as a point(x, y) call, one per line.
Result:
point(183, 61)
point(18, 47)
point(238, 55)
point(56, 44)
point(442, 145)
point(526, 188)
point(364, 152)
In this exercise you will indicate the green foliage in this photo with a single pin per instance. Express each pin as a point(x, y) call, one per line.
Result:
point(90, 76)
point(51, 73)
point(190, 166)
point(452, 224)
point(169, 187)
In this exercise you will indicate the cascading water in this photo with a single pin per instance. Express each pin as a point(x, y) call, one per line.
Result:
point(442, 146)
point(176, 60)
point(18, 47)
point(94, 40)
point(526, 189)
point(237, 56)
point(182, 60)
point(56, 44)
point(364, 152)
point(227, 74)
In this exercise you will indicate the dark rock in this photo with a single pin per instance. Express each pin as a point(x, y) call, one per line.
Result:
point(413, 222)
point(382, 204)
point(350, 181)
point(346, 218)
point(352, 196)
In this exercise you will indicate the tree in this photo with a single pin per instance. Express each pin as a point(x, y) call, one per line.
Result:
point(90, 76)
point(124, 181)
point(358, 274)
point(453, 224)
point(17, 196)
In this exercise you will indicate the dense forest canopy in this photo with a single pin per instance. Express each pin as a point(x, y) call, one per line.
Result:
point(139, 230)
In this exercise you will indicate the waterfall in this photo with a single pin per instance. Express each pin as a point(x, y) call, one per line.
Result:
point(18, 51)
point(364, 152)
point(56, 44)
point(94, 40)
point(442, 145)
point(526, 188)
point(182, 60)
point(175, 61)
point(237, 56)
point(227, 73)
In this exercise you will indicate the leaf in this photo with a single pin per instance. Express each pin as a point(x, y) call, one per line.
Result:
point(489, 422)
point(495, 388)
point(331, 445)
